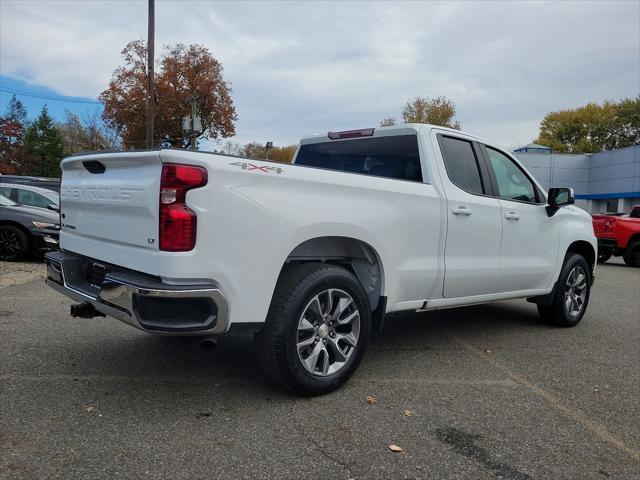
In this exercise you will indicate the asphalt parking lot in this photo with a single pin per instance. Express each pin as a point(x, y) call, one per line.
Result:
point(480, 392)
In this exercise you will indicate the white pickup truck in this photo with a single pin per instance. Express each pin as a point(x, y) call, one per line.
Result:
point(312, 255)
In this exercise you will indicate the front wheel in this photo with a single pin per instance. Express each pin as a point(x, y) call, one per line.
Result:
point(571, 294)
point(14, 243)
point(317, 328)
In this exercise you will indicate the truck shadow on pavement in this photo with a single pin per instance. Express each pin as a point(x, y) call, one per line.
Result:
point(233, 363)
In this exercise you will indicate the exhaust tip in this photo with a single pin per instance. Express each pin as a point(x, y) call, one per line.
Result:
point(209, 343)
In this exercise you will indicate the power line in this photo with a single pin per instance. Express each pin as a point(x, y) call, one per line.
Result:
point(53, 98)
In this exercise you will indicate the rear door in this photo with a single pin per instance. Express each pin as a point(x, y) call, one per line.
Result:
point(474, 224)
point(530, 239)
point(109, 205)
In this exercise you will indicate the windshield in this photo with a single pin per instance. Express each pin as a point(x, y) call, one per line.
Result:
point(391, 157)
point(5, 202)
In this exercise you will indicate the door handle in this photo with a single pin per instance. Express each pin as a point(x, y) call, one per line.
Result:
point(512, 216)
point(461, 211)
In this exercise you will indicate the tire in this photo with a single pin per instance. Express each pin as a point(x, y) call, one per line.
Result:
point(604, 255)
point(569, 302)
point(632, 254)
point(14, 243)
point(314, 310)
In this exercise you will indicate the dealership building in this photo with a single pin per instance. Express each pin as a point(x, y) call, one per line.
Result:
point(603, 182)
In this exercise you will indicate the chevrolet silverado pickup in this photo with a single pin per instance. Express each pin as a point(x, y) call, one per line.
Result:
point(312, 255)
point(619, 235)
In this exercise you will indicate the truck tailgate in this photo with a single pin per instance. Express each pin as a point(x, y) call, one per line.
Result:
point(109, 207)
point(603, 224)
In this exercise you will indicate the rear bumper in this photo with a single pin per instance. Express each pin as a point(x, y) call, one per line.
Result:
point(607, 243)
point(140, 300)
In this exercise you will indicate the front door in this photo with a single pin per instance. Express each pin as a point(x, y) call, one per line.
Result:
point(530, 245)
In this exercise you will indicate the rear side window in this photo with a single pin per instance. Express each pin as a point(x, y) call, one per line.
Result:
point(391, 157)
point(461, 164)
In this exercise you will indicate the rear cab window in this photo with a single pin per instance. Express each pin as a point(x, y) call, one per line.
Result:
point(390, 156)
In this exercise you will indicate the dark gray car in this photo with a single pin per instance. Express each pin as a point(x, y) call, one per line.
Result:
point(25, 230)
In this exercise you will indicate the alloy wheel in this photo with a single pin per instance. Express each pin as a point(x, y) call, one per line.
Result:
point(575, 291)
point(9, 243)
point(328, 332)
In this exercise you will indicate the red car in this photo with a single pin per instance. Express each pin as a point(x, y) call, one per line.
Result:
point(619, 235)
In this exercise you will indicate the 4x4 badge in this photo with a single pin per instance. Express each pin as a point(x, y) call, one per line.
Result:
point(258, 168)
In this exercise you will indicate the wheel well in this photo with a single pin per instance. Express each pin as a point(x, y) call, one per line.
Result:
point(634, 238)
point(17, 225)
point(586, 250)
point(355, 255)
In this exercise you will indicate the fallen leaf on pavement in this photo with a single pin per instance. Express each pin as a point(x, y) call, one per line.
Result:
point(408, 413)
point(371, 400)
point(90, 409)
point(394, 448)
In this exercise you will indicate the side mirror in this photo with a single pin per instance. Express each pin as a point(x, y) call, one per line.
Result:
point(559, 197)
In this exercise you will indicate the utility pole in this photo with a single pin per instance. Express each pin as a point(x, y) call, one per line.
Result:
point(150, 77)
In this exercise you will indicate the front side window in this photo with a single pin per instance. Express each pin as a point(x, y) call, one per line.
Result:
point(512, 183)
point(33, 199)
point(461, 164)
point(391, 157)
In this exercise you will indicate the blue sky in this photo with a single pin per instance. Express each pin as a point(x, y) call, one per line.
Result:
point(303, 67)
point(78, 105)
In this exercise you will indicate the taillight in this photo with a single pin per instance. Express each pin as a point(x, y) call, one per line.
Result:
point(177, 221)
point(608, 226)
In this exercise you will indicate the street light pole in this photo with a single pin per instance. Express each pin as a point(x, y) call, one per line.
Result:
point(150, 76)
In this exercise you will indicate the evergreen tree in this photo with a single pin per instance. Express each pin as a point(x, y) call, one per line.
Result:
point(12, 127)
point(43, 146)
point(16, 111)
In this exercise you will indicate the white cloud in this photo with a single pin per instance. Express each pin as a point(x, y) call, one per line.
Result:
point(302, 67)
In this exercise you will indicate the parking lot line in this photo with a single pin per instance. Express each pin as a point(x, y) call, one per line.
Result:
point(592, 426)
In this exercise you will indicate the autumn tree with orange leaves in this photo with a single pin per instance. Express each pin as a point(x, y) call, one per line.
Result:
point(186, 74)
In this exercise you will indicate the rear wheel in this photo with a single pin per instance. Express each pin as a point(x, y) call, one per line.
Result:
point(571, 294)
point(14, 243)
point(632, 254)
point(317, 328)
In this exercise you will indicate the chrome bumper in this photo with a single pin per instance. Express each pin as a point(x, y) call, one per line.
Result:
point(123, 295)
